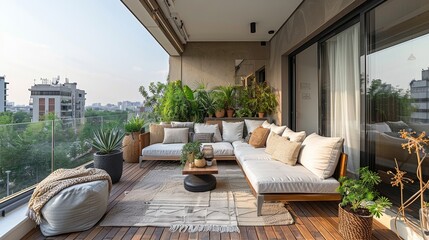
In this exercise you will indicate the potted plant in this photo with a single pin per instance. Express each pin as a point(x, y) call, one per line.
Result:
point(189, 150)
point(360, 202)
point(219, 104)
point(130, 144)
point(208, 100)
point(265, 100)
point(228, 95)
point(199, 160)
point(109, 153)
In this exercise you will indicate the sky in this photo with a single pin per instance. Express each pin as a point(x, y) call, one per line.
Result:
point(98, 44)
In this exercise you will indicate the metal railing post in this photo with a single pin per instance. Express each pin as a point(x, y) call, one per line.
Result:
point(53, 145)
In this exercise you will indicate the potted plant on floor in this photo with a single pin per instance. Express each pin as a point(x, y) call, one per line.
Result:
point(360, 202)
point(130, 144)
point(189, 151)
point(109, 153)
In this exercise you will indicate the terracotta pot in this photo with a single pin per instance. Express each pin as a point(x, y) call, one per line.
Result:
point(130, 147)
point(352, 226)
point(230, 113)
point(200, 163)
point(220, 113)
point(210, 115)
point(261, 114)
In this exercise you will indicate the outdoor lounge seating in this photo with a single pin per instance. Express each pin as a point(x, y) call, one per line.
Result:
point(272, 180)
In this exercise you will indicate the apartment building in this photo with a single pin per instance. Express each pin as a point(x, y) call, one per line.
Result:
point(420, 98)
point(65, 100)
point(3, 93)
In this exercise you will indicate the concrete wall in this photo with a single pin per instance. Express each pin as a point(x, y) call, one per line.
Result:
point(213, 63)
point(312, 17)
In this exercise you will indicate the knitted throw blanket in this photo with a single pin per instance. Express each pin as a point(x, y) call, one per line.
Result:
point(57, 181)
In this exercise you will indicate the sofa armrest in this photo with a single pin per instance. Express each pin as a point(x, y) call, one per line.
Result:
point(144, 139)
point(341, 169)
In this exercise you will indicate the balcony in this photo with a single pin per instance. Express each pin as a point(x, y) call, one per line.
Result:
point(313, 220)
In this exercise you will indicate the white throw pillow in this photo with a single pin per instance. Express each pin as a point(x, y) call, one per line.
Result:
point(277, 129)
point(266, 124)
point(208, 128)
point(232, 131)
point(176, 135)
point(251, 125)
point(320, 154)
point(294, 136)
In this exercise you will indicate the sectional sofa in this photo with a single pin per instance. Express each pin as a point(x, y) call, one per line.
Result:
point(314, 177)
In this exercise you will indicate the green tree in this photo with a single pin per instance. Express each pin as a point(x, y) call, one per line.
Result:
point(387, 102)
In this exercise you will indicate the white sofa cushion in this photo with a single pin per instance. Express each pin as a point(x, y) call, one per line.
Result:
point(277, 177)
point(209, 128)
point(175, 149)
point(277, 129)
point(253, 124)
point(294, 136)
point(245, 152)
point(320, 154)
point(232, 131)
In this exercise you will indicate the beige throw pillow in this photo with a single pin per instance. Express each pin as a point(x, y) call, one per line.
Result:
point(272, 143)
point(259, 137)
point(175, 135)
point(157, 132)
point(294, 136)
point(320, 154)
point(286, 151)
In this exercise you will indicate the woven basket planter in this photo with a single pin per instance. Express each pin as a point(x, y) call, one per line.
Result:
point(352, 226)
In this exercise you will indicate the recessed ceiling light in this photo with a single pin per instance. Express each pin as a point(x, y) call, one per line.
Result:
point(271, 32)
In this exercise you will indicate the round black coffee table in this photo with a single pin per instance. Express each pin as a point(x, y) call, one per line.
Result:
point(200, 183)
point(200, 179)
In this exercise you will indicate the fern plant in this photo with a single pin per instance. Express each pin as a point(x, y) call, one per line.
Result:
point(107, 141)
point(360, 196)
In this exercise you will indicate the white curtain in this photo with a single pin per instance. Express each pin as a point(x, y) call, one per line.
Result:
point(344, 95)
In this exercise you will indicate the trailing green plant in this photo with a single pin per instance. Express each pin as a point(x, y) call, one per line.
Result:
point(135, 124)
point(360, 196)
point(107, 141)
point(189, 148)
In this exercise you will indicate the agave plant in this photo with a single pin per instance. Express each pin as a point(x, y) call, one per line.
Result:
point(107, 141)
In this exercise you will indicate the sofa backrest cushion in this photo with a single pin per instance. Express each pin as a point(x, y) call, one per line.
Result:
point(398, 126)
point(294, 136)
point(320, 154)
point(380, 126)
point(176, 135)
point(157, 132)
point(232, 131)
point(259, 137)
point(251, 125)
point(286, 151)
point(189, 125)
point(208, 128)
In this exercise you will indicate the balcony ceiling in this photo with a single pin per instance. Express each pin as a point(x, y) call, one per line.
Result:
point(226, 20)
point(182, 21)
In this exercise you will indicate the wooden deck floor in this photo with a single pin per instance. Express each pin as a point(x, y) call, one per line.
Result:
point(313, 220)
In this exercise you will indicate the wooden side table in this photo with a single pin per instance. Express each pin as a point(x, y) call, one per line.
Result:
point(200, 179)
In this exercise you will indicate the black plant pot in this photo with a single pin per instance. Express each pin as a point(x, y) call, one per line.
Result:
point(111, 163)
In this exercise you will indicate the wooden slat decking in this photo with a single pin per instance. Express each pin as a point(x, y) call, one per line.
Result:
point(313, 220)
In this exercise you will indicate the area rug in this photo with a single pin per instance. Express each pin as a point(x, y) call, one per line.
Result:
point(159, 199)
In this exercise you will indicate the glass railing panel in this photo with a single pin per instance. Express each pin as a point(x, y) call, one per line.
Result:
point(25, 156)
point(73, 141)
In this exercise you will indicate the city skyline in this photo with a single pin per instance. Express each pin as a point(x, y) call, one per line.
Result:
point(96, 44)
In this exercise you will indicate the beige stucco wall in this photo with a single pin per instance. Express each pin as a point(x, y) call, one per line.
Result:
point(308, 20)
point(213, 63)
